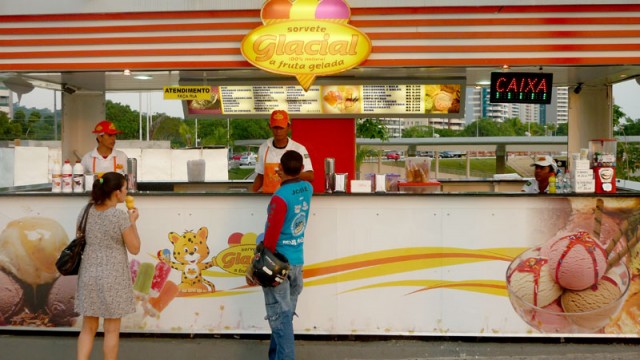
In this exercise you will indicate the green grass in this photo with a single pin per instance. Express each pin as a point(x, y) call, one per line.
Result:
point(239, 173)
point(483, 167)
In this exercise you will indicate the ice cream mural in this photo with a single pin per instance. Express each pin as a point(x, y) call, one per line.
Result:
point(306, 39)
point(577, 281)
point(582, 276)
point(32, 293)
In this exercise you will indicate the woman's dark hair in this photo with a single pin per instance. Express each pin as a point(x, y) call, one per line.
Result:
point(105, 186)
point(291, 162)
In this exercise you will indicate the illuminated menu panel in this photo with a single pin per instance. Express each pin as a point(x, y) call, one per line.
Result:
point(522, 88)
point(331, 100)
point(393, 99)
point(300, 102)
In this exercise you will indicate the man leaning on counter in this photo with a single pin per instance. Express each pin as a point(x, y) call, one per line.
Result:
point(545, 166)
point(269, 174)
point(105, 158)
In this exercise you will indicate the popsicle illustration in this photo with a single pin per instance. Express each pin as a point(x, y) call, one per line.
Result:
point(130, 202)
point(134, 266)
point(144, 279)
point(166, 296)
point(164, 255)
point(160, 276)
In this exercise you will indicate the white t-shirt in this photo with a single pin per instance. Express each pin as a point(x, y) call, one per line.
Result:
point(531, 186)
point(94, 163)
point(274, 154)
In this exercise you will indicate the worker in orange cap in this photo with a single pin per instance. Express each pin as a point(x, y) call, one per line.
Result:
point(268, 171)
point(105, 157)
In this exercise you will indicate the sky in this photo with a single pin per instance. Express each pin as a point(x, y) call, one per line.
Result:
point(625, 94)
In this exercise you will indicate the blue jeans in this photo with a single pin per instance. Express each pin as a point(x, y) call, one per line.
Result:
point(281, 302)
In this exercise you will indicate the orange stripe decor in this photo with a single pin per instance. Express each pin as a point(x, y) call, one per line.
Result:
point(533, 35)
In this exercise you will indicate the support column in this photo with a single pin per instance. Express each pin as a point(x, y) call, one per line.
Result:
point(501, 158)
point(80, 114)
point(590, 116)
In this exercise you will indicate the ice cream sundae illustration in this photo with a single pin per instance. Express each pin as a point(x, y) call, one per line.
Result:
point(577, 281)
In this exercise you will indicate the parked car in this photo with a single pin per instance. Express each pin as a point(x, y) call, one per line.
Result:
point(248, 159)
point(238, 156)
point(425, 154)
point(393, 155)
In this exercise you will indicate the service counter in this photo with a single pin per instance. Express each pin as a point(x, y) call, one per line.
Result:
point(380, 264)
point(446, 186)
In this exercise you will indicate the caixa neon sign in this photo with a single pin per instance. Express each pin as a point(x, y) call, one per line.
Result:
point(524, 88)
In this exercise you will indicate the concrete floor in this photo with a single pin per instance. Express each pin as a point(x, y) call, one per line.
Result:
point(36, 346)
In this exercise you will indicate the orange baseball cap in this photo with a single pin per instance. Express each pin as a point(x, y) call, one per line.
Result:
point(279, 118)
point(106, 127)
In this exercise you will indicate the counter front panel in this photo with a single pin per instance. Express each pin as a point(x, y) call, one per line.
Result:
point(380, 265)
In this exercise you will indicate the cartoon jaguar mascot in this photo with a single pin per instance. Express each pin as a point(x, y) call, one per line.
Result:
point(190, 250)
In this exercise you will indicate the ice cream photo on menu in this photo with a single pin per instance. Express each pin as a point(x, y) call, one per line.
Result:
point(341, 99)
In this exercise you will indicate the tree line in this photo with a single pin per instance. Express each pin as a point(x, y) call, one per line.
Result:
point(40, 124)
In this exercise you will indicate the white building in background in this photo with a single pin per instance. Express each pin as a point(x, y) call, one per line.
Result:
point(6, 105)
point(558, 111)
point(396, 125)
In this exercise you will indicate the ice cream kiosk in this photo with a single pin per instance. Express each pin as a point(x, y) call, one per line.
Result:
point(449, 263)
point(603, 163)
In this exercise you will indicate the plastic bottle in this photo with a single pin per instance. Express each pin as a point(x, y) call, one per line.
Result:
point(78, 177)
point(56, 178)
point(560, 182)
point(567, 182)
point(67, 177)
point(552, 184)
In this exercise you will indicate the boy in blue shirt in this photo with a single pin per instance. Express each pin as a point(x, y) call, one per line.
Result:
point(287, 216)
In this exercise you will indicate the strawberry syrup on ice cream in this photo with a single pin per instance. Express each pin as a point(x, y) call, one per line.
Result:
point(533, 266)
point(583, 239)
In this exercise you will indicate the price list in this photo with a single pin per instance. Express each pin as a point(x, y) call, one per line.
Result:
point(301, 102)
point(413, 99)
point(268, 98)
point(392, 99)
point(236, 99)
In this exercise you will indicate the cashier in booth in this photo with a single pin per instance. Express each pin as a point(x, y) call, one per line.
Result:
point(545, 166)
point(105, 158)
point(267, 167)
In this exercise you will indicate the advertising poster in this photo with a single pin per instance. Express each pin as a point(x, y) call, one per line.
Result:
point(400, 265)
point(207, 106)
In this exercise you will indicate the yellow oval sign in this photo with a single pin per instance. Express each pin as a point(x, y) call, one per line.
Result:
point(236, 259)
point(306, 48)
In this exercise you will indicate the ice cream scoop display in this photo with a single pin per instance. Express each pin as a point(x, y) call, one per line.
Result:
point(61, 301)
point(29, 247)
point(531, 280)
point(577, 261)
point(573, 311)
point(13, 301)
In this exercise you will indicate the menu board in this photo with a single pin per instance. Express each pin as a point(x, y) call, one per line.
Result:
point(437, 100)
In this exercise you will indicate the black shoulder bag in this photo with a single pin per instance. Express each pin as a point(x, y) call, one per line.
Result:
point(68, 262)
